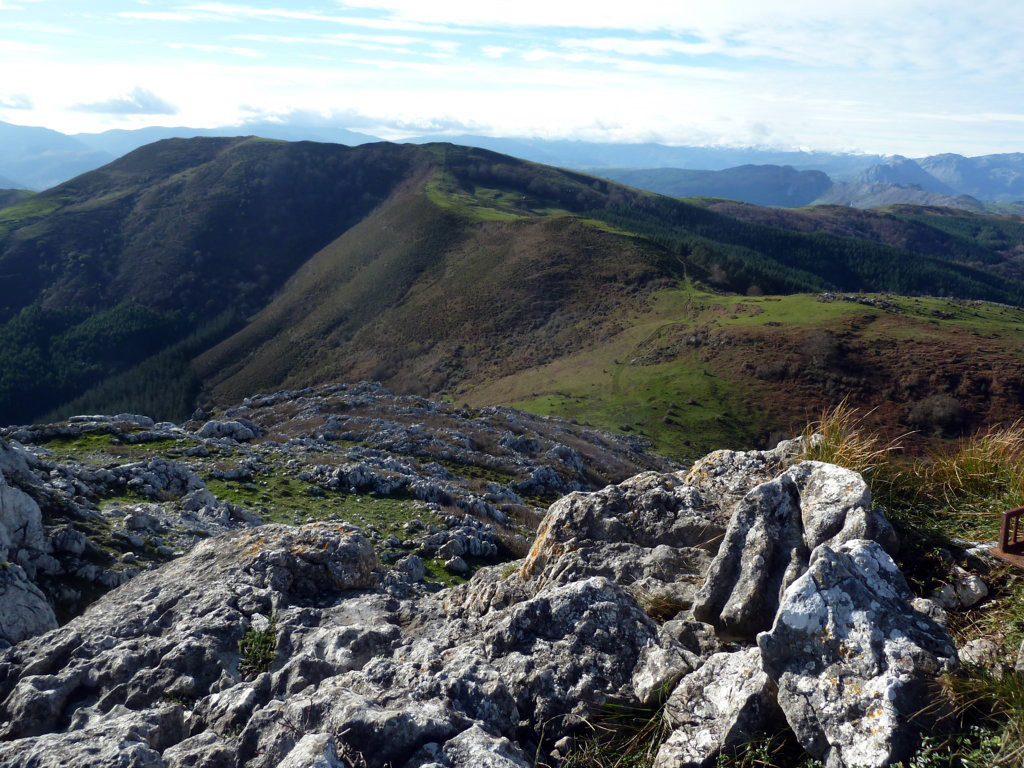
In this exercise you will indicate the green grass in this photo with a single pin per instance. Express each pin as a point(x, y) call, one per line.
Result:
point(485, 204)
point(278, 498)
point(256, 650)
point(35, 207)
point(105, 448)
point(647, 379)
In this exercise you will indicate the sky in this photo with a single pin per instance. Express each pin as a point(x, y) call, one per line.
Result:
point(885, 76)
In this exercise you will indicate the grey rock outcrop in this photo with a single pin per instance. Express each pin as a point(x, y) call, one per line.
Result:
point(24, 611)
point(282, 647)
point(852, 658)
point(230, 430)
point(175, 632)
point(121, 738)
point(775, 528)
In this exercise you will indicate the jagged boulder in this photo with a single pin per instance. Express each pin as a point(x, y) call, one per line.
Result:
point(724, 477)
point(24, 611)
point(725, 702)
point(852, 658)
point(651, 529)
point(771, 535)
point(763, 552)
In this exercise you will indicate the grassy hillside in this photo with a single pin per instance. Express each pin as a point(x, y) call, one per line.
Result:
point(442, 269)
point(698, 370)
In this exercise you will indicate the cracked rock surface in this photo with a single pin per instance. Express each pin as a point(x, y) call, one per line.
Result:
point(276, 646)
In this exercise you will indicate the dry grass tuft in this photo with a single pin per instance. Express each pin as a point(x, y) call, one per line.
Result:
point(987, 465)
point(840, 437)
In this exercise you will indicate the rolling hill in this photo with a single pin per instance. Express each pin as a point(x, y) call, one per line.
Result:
point(211, 268)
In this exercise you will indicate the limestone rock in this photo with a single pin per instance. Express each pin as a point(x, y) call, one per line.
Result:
point(724, 477)
point(124, 739)
point(852, 659)
point(772, 532)
point(728, 700)
point(763, 553)
point(175, 631)
point(24, 611)
point(835, 507)
point(650, 511)
point(569, 648)
point(314, 750)
point(970, 590)
point(475, 748)
point(232, 430)
point(206, 750)
point(982, 652)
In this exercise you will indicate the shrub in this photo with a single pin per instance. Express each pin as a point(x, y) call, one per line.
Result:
point(256, 649)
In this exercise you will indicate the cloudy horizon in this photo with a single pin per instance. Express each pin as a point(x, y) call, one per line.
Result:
point(901, 77)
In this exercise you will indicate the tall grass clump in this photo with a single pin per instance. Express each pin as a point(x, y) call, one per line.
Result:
point(621, 737)
point(990, 707)
point(984, 472)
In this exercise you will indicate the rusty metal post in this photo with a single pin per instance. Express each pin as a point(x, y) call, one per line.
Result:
point(1010, 547)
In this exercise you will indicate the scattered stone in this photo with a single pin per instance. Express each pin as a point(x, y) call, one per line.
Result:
point(970, 590)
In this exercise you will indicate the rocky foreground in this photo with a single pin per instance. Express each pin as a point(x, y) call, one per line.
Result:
point(776, 602)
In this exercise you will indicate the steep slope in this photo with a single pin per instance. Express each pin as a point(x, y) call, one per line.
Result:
point(419, 297)
point(758, 184)
point(436, 268)
point(118, 264)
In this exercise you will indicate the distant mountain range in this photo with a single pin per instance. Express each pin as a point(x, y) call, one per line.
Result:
point(897, 181)
point(774, 185)
point(207, 268)
point(38, 158)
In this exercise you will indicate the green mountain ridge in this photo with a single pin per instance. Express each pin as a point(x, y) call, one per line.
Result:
point(437, 269)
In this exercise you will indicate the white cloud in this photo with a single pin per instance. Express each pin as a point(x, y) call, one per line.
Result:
point(158, 15)
point(139, 102)
point(16, 101)
point(205, 48)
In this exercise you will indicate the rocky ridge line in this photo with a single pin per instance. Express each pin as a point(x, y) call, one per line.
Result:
point(87, 504)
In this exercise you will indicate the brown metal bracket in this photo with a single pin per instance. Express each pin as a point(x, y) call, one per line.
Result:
point(1011, 546)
